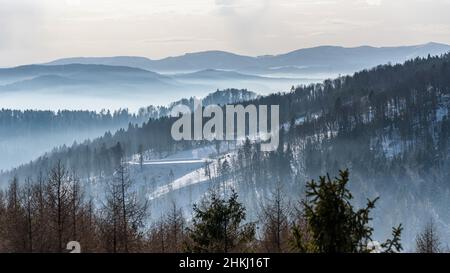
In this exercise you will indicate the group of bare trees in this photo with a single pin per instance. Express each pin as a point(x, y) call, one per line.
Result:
point(429, 240)
point(168, 234)
point(44, 214)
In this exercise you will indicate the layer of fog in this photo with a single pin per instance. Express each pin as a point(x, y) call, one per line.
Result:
point(89, 98)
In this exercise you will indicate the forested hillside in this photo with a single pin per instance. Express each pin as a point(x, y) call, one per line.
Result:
point(388, 125)
point(26, 135)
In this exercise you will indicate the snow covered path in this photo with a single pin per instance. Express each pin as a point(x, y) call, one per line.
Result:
point(189, 179)
point(169, 162)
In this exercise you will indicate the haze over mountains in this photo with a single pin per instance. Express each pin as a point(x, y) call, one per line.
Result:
point(132, 82)
point(86, 86)
point(322, 59)
point(96, 87)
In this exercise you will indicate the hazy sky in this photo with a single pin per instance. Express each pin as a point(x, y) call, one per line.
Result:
point(37, 31)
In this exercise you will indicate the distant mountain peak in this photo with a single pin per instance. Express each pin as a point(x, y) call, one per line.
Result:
point(209, 52)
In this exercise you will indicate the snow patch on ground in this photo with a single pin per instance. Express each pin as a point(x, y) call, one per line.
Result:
point(192, 178)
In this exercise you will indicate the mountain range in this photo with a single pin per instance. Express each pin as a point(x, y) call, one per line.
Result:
point(117, 82)
point(321, 59)
point(131, 87)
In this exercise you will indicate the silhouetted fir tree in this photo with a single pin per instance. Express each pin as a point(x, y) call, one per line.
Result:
point(217, 226)
point(336, 227)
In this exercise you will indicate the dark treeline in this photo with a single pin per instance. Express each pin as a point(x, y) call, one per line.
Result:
point(25, 135)
point(44, 214)
point(32, 122)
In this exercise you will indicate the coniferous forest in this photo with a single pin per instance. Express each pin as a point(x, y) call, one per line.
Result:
point(362, 166)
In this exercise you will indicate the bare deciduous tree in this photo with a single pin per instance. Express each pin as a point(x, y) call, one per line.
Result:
point(275, 223)
point(428, 241)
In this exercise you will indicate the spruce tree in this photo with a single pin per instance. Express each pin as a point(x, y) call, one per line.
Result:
point(218, 226)
point(335, 225)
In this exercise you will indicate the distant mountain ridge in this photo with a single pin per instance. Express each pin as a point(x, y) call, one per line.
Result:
point(307, 60)
point(104, 79)
point(75, 70)
point(51, 76)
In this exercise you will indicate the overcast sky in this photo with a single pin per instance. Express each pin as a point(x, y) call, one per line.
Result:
point(36, 31)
